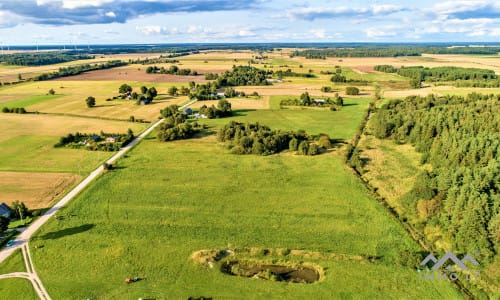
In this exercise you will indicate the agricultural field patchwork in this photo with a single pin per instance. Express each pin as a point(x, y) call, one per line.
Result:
point(187, 218)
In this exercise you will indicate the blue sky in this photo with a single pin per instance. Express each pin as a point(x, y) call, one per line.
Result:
point(24, 22)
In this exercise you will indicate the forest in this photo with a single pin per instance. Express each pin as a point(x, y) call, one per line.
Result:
point(41, 58)
point(460, 138)
point(392, 51)
point(439, 73)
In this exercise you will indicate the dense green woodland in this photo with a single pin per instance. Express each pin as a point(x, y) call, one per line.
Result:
point(460, 138)
point(40, 58)
point(392, 51)
point(439, 73)
point(239, 76)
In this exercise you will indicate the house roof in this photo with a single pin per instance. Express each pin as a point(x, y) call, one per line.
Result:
point(4, 209)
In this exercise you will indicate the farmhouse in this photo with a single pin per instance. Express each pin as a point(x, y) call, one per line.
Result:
point(4, 210)
point(110, 139)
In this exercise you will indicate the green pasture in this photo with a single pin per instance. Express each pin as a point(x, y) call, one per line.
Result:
point(168, 200)
point(17, 288)
point(337, 124)
point(27, 144)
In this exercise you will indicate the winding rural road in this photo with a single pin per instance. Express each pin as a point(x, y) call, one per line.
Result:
point(22, 240)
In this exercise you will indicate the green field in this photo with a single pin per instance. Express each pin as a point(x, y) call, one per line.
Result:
point(168, 200)
point(337, 124)
point(13, 263)
point(17, 288)
point(28, 142)
point(30, 101)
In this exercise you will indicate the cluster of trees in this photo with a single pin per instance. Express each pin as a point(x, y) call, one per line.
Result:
point(40, 58)
point(305, 100)
point(147, 94)
point(419, 73)
point(239, 76)
point(18, 211)
point(14, 110)
point(290, 73)
point(175, 126)
point(103, 141)
point(206, 91)
point(253, 138)
point(156, 60)
point(75, 70)
point(230, 92)
point(174, 70)
point(491, 83)
point(222, 110)
point(460, 138)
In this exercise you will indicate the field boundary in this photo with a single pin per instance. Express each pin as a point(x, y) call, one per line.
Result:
point(414, 234)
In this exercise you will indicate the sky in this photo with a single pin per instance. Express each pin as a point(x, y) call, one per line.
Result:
point(66, 22)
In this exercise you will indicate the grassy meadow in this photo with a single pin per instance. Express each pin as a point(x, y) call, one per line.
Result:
point(168, 200)
point(28, 142)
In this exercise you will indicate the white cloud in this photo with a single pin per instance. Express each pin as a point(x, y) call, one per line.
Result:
point(377, 33)
point(495, 32)
point(318, 33)
point(73, 4)
point(312, 13)
point(450, 7)
point(149, 29)
point(8, 19)
point(110, 14)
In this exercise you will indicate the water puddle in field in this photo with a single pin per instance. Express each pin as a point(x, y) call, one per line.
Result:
point(298, 274)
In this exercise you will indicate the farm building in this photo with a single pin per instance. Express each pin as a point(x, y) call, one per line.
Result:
point(110, 139)
point(4, 210)
point(319, 101)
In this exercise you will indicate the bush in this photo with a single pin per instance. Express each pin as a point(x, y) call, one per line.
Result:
point(90, 101)
point(324, 142)
point(352, 90)
point(5, 110)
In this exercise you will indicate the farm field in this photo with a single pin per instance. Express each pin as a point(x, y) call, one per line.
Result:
point(197, 196)
point(165, 201)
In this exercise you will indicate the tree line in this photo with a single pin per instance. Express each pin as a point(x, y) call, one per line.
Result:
point(173, 70)
point(391, 51)
point(75, 70)
point(41, 58)
point(419, 73)
point(460, 138)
